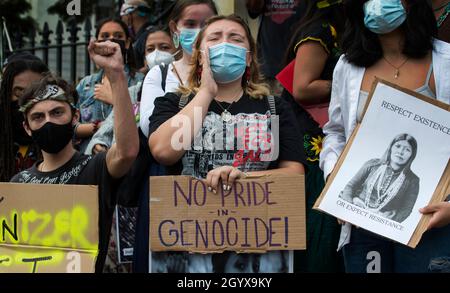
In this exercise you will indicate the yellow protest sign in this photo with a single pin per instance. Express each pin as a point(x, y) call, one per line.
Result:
point(48, 228)
point(256, 215)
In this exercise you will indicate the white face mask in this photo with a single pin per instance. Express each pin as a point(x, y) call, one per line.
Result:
point(157, 58)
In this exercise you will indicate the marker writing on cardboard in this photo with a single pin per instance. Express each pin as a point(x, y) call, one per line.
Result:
point(231, 232)
point(64, 228)
point(35, 261)
point(244, 194)
point(4, 260)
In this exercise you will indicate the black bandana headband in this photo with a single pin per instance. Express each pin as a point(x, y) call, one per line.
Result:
point(51, 92)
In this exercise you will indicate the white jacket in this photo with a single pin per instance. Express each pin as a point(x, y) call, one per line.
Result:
point(347, 80)
point(151, 90)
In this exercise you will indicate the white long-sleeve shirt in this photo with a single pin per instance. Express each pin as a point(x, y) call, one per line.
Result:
point(151, 90)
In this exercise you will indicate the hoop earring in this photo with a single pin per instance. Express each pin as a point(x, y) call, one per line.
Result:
point(247, 75)
point(199, 74)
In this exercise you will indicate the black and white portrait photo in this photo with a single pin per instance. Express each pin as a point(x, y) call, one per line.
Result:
point(387, 186)
point(391, 165)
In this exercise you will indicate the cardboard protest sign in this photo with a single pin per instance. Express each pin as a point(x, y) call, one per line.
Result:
point(256, 215)
point(395, 162)
point(48, 228)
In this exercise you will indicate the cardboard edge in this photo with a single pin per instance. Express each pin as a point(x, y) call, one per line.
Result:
point(443, 188)
point(336, 169)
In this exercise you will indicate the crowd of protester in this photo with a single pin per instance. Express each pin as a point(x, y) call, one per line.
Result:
point(115, 127)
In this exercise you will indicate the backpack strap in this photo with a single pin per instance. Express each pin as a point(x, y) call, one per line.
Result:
point(164, 70)
point(183, 102)
point(272, 107)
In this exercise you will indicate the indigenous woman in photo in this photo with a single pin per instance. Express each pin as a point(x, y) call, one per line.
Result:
point(387, 186)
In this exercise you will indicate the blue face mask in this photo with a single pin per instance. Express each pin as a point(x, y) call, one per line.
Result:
point(228, 62)
point(383, 16)
point(187, 38)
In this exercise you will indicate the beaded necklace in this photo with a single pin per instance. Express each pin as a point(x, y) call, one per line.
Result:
point(444, 15)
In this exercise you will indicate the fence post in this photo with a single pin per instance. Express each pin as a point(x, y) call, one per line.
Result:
point(46, 32)
point(18, 40)
point(32, 36)
point(59, 48)
point(73, 38)
point(87, 37)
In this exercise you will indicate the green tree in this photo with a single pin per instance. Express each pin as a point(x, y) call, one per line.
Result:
point(15, 14)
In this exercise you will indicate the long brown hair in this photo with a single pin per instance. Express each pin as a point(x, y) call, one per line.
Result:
point(254, 87)
point(412, 142)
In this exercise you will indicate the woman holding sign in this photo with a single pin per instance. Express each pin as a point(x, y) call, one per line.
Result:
point(231, 127)
point(392, 40)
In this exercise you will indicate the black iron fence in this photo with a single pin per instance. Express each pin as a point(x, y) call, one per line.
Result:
point(60, 48)
point(64, 47)
point(53, 43)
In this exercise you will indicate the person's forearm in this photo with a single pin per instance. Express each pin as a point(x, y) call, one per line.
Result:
point(316, 92)
point(168, 143)
point(347, 193)
point(85, 130)
point(125, 130)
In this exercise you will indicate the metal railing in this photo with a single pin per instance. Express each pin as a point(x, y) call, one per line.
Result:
point(50, 39)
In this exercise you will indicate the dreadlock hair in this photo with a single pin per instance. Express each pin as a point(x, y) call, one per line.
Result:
point(7, 155)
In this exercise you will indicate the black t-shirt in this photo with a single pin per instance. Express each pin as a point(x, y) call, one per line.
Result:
point(242, 142)
point(83, 170)
point(277, 26)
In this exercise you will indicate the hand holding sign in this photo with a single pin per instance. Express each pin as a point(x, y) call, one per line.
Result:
point(440, 214)
point(225, 175)
point(260, 214)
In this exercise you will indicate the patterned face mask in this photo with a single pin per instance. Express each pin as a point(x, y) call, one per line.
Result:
point(50, 92)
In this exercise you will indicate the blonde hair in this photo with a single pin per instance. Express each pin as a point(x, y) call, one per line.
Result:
point(254, 87)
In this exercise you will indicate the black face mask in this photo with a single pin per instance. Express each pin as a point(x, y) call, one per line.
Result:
point(19, 134)
point(123, 49)
point(52, 138)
